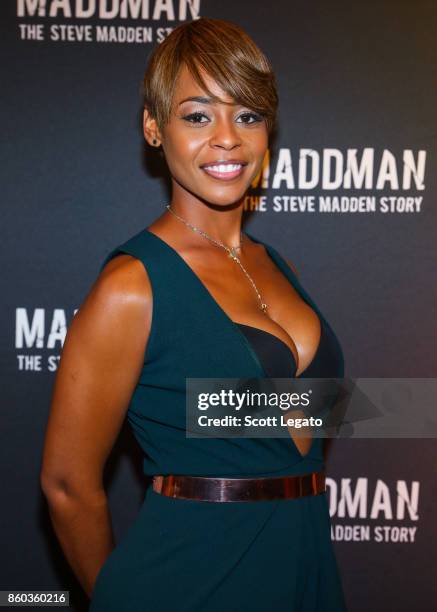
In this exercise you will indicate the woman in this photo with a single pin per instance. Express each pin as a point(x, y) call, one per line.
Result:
point(192, 296)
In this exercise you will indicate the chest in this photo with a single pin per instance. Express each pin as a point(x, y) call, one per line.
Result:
point(238, 290)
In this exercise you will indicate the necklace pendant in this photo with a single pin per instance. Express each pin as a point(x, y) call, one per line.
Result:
point(233, 253)
point(264, 307)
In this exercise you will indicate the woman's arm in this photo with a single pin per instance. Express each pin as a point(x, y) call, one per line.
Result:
point(101, 361)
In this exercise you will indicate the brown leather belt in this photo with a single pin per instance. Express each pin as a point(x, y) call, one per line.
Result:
point(239, 489)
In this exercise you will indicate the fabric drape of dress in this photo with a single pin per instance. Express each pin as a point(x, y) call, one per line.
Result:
point(195, 556)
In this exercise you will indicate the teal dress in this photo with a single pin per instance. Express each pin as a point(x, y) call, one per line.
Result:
point(194, 556)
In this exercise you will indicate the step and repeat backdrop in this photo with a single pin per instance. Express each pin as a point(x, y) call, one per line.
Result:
point(347, 192)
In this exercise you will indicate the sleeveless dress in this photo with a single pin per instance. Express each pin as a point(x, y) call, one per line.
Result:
point(197, 556)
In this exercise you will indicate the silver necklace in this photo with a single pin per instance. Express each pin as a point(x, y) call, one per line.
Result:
point(232, 252)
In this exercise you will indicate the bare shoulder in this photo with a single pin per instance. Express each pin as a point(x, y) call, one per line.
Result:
point(118, 305)
point(119, 299)
point(101, 360)
point(126, 275)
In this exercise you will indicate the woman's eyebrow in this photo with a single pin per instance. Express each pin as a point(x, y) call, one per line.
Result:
point(205, 100)
point(201, 99)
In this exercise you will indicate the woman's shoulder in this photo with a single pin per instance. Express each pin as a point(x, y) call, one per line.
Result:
point(123, 274)
point(123, 288)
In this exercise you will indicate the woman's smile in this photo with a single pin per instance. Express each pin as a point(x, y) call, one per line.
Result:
point(224, 170)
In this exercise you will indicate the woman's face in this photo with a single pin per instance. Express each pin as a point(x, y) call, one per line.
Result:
point(213, 150)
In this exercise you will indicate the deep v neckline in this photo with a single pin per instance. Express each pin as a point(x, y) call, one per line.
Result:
point(233, 324)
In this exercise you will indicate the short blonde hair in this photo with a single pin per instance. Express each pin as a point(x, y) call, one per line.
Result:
point(226, 53)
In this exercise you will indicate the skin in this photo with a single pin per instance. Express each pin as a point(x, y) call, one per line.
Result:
point(104, 348)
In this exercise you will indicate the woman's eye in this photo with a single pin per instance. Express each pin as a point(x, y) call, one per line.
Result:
point(248, 116)
point(195, 118)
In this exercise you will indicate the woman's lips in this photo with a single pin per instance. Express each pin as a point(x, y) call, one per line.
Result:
point(224, 172)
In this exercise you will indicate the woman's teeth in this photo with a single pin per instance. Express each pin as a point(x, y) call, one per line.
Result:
point(224, 167)
point(224, 170)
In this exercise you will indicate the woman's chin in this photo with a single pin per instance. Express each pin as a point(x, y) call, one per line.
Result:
point(224, 198)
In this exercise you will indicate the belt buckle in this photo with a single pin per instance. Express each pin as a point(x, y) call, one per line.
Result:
point(157, 483)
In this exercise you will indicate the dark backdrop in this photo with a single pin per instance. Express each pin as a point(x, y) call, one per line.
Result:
point(357, 88)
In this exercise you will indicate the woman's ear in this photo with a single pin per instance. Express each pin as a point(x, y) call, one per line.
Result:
point(150, 129)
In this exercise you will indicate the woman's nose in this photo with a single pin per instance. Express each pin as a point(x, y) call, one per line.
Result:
point(225, 135)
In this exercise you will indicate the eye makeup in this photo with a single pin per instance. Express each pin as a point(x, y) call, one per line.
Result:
point(197, 117)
